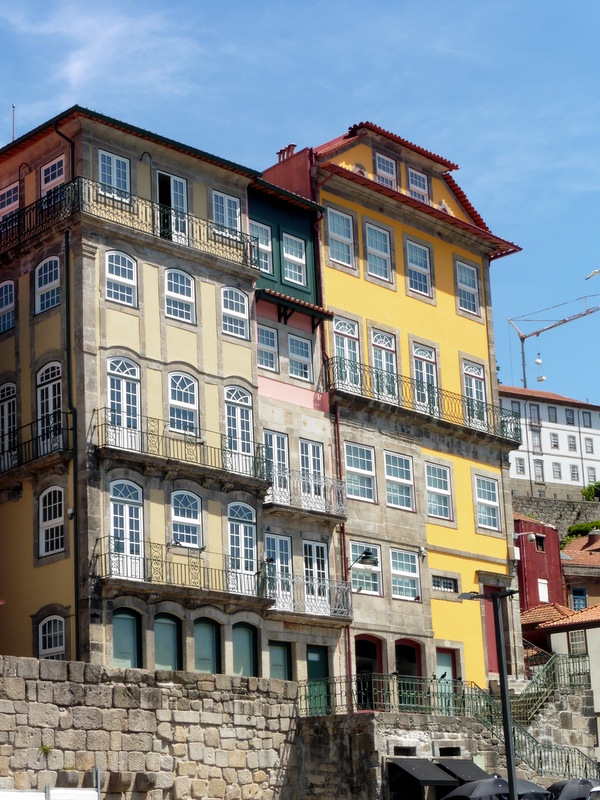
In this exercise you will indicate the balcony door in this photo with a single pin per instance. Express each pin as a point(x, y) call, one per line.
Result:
point(316, 584)
point(8, 426)
point(384, 383)
point(124, 420)
point(278, 557)
point(276, 456)
point(426, 392)
point(239, 454)
point(311, 469)
point(49, 401)
point(127, 545)
point(172, 201)
point(345, 334)
point(475, 408)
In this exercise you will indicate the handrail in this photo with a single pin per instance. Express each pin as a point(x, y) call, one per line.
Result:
point(558, 672)
point(342, 374)
point(307, 490)
point(50, 433)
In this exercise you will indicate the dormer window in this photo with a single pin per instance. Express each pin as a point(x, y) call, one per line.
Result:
point(418, 185)
point(385, 170)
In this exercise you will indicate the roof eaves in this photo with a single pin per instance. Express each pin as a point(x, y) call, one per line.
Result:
point(403, 142)
point(260, 184)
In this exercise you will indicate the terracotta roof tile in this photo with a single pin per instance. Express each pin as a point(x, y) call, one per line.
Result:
point(536, 394)
point(582, 552)
point(545, 613)
point(588, 616)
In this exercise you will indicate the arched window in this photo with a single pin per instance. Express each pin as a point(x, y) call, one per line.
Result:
point(52, 521)
point(127, 639)
point(179, 296)
point(127, 541)
point(121, 278)
point(47, 285)
point(124, 422)
point(207, 646)
point(242, 547)
point(186, 518)
point(167, 642)
point(51, 642)
point(238, 416)
point(245, 651)
point(49, 401)
point(235, 312)
point(183, 403)
point(7, 306)
point(8, 426)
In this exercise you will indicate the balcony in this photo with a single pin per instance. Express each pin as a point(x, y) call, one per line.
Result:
point(130, 211)
point(148, 436)
point(50, 435)
point(353, 378)
point(297, 595)
point(308, 492)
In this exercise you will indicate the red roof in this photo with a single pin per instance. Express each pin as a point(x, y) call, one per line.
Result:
point(546, 397)
point(545, 613)
point(588, 616)
point(465, 202)
point(583, 551)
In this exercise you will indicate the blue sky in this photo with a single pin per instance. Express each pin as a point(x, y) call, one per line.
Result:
point(506, 89)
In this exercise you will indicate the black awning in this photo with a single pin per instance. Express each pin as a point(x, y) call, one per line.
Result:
point(463, 768)
point(421, 769)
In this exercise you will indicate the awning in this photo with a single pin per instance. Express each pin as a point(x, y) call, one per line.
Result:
point(465, 769)
point(420, 769)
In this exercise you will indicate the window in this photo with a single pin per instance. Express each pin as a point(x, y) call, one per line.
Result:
point(124, 403)
point(578, 598)
point(551, 413)
point(311, 471)
point(534, 413)
point(385, 378)
point(556, 471)
point(114, 175)
point(345, 335)
point(475, 406)
point(179, 296)
point(574, 472)
point(280, 660)
point(300, 356)
point(467, 288)
point(316, 583)
point(167, 642)
point(47, 285)
point(121, 284)
point(589, 445)
point(127, 546)
point(570, 416)
point(265, 247)
point(554, 440)
point(425, 371)
point(52, 638)
point(207, 646)
point(488, 504)
point(577, 643)
point(443, 584)
point(52, 527)
point(542, 590)
point(277, 461)
point(572, 444)
point(341, 238)
point(385, 171)
point(172, 202)
point(245, 649)
point(540, 542)
point(365, 577)
point(538, 471)
point(399, 488)
point(587, 419)
point(49, 407)
point(8, 426)
point(294, 260)
point(235, 312)
point(419, 272)
point(183, 403)
point(238, 415)
point(591, 475)
point(127, 639)
point(520, 466)
point(418, 185)
point(439, 502)
point(515, 407)
point(360, 472)
point(9, 200)
point(405, 575)
point(536, 440)
point(242, 547)
point(187, 526)
point(378, 253)
point(52, 175)
point(7, 306)
point(267, 349)
point(226, 213)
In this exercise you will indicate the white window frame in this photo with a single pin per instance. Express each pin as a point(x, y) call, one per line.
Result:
point(439, 491)
point(419, 274)
point(444, 583)
point(294, 259)
point(360, 472)
point(404, 567)
point(8, 426)
point(267, 353)
point(242, 542)
point(311, 472)
point(240, 431)
point(536, 440)
point(534, 413)
point(399, 481)
point(538, 471)
point(554, 440)
point(183, 403)
point(300, 363)
point(577, 642)
point(7, 306)
point(591, 475)
point(574, 472)
point(52, 175)
point(586, 417)
point(416, 179)
point(9, 200)
point(383, 350)
point(520, 466)
point(542, 585)
point(121, 278)
point(180, 300)
point(569, 416)
point(343, 241)
point(186, 518)
point(51, 529)
point(551, 413)
point(487, 502)
point(51, 643)
point(572, 444)
point(379, 253)
point(265, 245)
point(47, 284)
point(234, 304)
point(475, 394)
point(588, 443)
point(385, 171)
point(117, 185)
point(467, 288)
point(227, 214)
point(556, 471)
point(366, 578)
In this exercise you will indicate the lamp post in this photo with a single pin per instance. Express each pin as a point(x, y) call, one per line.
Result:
point(509, 746)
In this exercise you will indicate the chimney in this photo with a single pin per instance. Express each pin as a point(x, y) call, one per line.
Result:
point(593, 537)
point(286, 152)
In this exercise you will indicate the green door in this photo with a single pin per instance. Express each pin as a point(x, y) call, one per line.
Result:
point(317, 668)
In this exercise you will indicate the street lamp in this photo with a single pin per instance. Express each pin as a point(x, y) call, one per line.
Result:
point(509, 745)
point(368, 558)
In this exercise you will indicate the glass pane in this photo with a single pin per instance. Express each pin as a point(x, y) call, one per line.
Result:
point(166, 644)
point(206, 647)
point(125, 641)
point(243, 651)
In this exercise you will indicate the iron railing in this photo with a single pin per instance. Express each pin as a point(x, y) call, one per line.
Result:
point(534, 657)
point(131, 211)
point(352, 377)
point(303, 489)
point(400, 693)
point(49, 434)
point(308, 596)
point(154, 437)
point(558, 672)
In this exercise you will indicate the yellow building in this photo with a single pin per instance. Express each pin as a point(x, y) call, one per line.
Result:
point(410, 368)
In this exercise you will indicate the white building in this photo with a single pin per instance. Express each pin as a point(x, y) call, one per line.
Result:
point(560, 449)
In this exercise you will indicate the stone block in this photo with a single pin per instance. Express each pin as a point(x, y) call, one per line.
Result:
point(126, 697)
point(151, 699)
point(28, 668)
point(13, 688)
point(181, 788)
point(136, 761)
point(67, 778)
point(99, 696)
point(196, 751)
point(144, 781)
point(136, 741)
point(120, 782)
point(98, 740)
point(114, 719)
point(84, 761)
point(244, 777)
point(68, 694)
point(43, 715)
point(87, 718)
point(216, 788)
point(53, 670)
point(237, 758)
point(142, 721)
point(76, 671)
point(259, 776)
point(250, 792)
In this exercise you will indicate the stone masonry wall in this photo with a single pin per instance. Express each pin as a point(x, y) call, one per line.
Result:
point(559, 513)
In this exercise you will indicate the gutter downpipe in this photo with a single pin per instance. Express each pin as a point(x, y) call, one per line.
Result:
point(72, 143)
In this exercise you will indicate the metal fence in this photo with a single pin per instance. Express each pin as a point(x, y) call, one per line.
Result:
point(307, 490)
point(49, 434)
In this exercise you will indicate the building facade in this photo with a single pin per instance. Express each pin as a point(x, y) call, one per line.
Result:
point(538, 563)
point(581, 571)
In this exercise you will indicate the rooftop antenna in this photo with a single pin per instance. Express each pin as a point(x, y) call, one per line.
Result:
point(13, 122)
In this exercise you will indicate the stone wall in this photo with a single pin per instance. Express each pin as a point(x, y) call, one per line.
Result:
point(559, 513)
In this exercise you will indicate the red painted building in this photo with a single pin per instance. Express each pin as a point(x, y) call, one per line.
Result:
point(537, 556)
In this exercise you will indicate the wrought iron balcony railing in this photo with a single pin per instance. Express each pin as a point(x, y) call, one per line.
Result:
point(352, 377)
point(306, 490)
point(131, 211)
point(154, 437)
point(308, 596)
point(49, 434)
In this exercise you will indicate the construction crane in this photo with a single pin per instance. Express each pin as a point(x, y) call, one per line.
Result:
point(522, 336)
